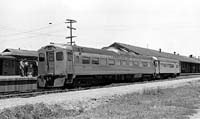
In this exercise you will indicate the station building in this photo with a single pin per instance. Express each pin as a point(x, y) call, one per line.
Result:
point(188, 64)
point(17, 55)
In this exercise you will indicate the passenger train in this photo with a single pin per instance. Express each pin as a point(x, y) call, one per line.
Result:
point(62, 66)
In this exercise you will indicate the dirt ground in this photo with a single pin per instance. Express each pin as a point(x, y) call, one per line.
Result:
point(170, 103)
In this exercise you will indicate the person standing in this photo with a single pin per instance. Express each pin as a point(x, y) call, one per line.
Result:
point(21, 67)
point(26, 68)
point(35, 68)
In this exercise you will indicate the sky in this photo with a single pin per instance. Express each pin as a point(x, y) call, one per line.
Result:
point(172, 25)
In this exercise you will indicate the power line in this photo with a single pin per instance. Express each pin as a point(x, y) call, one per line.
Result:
point(29, 31)
point(36, 35)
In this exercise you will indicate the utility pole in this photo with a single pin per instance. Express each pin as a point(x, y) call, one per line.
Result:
point(70, 21)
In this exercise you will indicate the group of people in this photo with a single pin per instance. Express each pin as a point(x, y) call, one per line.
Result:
point(28, 68)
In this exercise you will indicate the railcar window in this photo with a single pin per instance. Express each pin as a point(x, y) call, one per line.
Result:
point(111, 61)
point(59, 56)
point(69, 56)
point(149, 64)
point(176, 66)
point(171, 65)
point(117, 62)
point(144, 64)
point(86, 60)
point(95, 60)
point(41, 57)
point(130, 63)
point(136, 63)
point(140, 64)
point(164, 65)
point(168, 65)
point(51, 56)
point(77, 59)
point(123, 62)
point(103, 61)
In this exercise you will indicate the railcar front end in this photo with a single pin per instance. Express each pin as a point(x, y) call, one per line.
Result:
point(54, 66)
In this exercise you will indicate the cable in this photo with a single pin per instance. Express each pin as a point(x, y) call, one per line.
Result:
point(35, 35)
point(29, 31)
point(29, 37)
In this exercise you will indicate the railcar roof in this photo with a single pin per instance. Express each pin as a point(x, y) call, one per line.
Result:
point(105, 52)
point(98, 51)
point(151, 52)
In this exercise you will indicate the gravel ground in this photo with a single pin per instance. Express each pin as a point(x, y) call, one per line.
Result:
point(85, 95)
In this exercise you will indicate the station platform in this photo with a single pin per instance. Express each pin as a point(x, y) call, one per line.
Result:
point(187, 74)
point(17, 84)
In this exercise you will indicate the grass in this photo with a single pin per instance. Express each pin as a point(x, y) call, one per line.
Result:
point(158, 103)
point(39, 111)
point(178, 103)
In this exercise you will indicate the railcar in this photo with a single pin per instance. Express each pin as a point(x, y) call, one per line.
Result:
point(166, 67)
point(74, 65)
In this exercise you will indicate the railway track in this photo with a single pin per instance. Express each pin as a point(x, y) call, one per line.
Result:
point(33, 93)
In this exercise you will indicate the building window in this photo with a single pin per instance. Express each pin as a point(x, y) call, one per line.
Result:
point(86, 60)
point(41, 57)
point(59, 56)
point(6, 63)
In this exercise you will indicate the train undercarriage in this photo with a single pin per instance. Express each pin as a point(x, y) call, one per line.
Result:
point(72, 81)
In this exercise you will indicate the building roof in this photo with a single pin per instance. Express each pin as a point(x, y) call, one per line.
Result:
point(93, 50)
point(151, 52)
point(19, 52)
point(7, 57)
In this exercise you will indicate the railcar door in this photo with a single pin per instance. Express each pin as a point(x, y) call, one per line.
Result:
point(60, 64)
point(50, 62)
point(157, 64)
point(70, 62)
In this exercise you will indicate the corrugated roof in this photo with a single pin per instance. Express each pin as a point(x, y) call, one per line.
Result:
point(93, 50)
point(18, 52)
point(151, 52)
